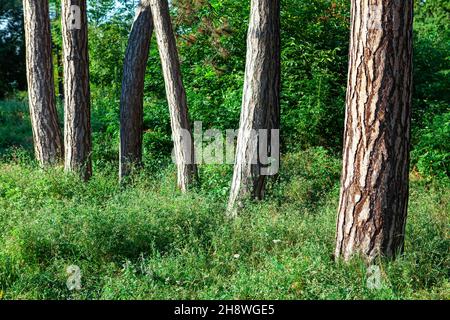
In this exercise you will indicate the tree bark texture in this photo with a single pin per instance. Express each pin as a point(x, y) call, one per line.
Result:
point(260, 102)
point(176, 95)
point(131, 101)
point(48, 143)
point(374, 187)
point(77, 115)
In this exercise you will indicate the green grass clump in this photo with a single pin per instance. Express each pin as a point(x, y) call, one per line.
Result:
point(148, 241)
point(15, 125)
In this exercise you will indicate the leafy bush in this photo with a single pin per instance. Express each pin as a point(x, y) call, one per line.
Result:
point(431, 155)
point(15, 126)
point(431, 96)
point(306, 177)
point(12, 48)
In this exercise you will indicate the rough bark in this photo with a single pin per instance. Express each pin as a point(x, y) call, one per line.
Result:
point(260, 103)
point(374, 186)
point(77, 122)
point(131, 102)
point(47, 135)
point(176, 95)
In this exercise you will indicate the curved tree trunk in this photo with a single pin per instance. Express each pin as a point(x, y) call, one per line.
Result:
point(374, 187)
point(77, 115)
point(131, 101)
point(260, 105)
point(47, 135)
point(176, 95)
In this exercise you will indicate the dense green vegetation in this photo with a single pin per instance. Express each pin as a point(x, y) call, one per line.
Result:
point(146, 240)
point(149, 241)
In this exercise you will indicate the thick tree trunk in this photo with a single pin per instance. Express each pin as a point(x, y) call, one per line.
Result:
point(260, 104)
point(176, 95)
point(77, 122)
point(374, 187)
point(131, 102)
point(47, 135)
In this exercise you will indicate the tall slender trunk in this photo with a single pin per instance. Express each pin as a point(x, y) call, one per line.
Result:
point(77, 115)
point(176, 95)
point(47, 135)
point(131, 101)
point(260, 105)
point(374, 187)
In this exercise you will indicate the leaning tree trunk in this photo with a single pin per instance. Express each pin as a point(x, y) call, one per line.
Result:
point(47, 135)
point(77, 122)
point(374, 187)
point(176, 95)
point(131, 101)
point(260, 105)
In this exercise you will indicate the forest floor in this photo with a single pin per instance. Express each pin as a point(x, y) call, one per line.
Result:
point(145, 240)
point(148, 241)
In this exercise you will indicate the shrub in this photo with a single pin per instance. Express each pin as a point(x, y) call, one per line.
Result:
point(431, 155)
point(15, 126)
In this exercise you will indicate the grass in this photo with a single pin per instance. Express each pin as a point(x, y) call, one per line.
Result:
point(147, 241)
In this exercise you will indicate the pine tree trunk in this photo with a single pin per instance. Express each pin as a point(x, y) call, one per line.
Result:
point(47, 135)
point(131, 102)
point(260, 103)
point(176, 95)
point(374, 187)
point(77, 122)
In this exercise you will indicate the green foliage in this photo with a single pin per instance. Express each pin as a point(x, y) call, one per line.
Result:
point(215, 179)
point(431, 61)
point(107, 44)
point(12, 48)
point(432, 155)
point(314, 62)
point(212, 42)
